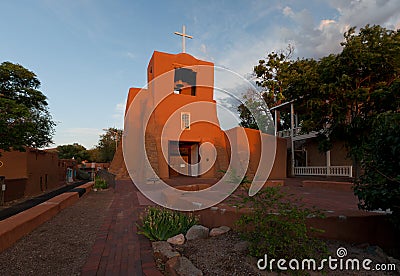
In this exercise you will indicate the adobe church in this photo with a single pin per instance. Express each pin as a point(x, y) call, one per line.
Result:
point(177, 115)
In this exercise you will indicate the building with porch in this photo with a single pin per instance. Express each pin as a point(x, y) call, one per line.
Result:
point(305, 157)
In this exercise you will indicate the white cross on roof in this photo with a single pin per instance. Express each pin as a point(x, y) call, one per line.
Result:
point(183, 34)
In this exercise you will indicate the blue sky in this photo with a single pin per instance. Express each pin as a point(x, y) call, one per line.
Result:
point(87, 53)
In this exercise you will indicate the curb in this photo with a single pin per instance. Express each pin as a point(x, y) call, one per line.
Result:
point(19, 225)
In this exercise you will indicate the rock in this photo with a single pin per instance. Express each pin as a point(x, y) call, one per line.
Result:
point(396, 262)
point(177, 240)
point(363, 245)
point(241, 247)
point(380, 253)
point(219, 231)
point(163, 250)
point(197, 232)
point(181, 266)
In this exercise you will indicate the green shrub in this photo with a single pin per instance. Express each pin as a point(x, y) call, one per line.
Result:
point(82, 175)
point(277, 227)
point(100, 183)
point(159, 224)
point(379, 184)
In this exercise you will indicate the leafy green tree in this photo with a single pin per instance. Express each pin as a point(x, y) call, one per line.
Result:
point(273, 78)
point(273, 73)
point(108, 144)
point(94, 155)
point(354, 87)
point(75, 151)
point(379, 186)
point(352, 96)
point(24, 117)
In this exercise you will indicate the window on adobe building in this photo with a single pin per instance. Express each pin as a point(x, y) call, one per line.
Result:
point(185, 120)
point(185, 81)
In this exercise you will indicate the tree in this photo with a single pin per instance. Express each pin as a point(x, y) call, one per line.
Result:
point(353, 96)
point(272, 77)
point(94, 155)
point(354, 87)
point(24, 118)
point(379, 186)
point(75, 151)
point(108, 144)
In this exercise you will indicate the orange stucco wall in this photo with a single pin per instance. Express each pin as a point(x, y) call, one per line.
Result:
point(166, 107)
point(39, 168)
point(14, 164)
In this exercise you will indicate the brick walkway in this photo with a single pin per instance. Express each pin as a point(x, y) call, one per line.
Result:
point(118, 249)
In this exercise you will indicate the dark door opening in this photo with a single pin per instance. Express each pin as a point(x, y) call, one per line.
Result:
point(189, 151)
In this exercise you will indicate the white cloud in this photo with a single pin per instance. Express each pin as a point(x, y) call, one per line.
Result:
point(203, 48)
point(287, 11)
point(87, 137)
point(118, 115)
point(130, 55)
point(325, 23)
point(324, 37)
point(236, 45)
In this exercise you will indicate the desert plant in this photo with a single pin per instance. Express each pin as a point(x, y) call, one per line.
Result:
point(276, 226)
point(100, 183)
point(234, 178)
point(159, 224)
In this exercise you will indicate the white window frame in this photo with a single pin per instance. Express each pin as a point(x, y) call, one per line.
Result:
point(185, 123)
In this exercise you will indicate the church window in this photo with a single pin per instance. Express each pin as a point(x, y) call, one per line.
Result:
point(185, 120)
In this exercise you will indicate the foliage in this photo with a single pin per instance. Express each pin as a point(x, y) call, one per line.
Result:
point(82, 175)
point(357, 85)
point(379, 186)
point(100, 183)
point(272, 74)
point(108, 144)
point(76, 151)
point(254, 112)
point(273, 77)
point(94, 155)
point(276, 226)
point(234, 178)
point(342, 97)
point(24, 118)
point(160, 224)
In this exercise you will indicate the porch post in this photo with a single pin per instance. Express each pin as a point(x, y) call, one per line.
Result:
point(276, 121)
point(328, 162)
point(292, 134)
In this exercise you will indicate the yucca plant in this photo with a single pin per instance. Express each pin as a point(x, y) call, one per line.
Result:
point(159, 224)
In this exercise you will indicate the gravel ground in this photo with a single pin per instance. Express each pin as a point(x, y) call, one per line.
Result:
point(227, 255)
point(61, 245)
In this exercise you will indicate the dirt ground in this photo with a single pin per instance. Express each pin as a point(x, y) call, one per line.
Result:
point(61, 245)
point(227, 255)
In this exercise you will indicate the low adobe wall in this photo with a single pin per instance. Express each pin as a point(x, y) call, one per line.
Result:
point(19, 225)
point(373, 229)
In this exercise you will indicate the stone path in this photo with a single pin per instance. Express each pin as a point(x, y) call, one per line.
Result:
point(118, 249)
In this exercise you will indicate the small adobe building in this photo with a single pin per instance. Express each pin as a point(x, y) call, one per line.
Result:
point(177, 115)
point(33, 172)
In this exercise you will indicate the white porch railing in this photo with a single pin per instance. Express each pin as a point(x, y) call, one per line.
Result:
point(326, 171)
point(286, 133)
